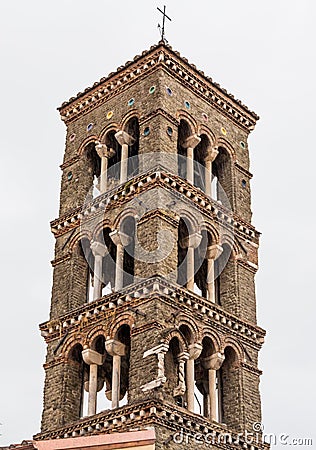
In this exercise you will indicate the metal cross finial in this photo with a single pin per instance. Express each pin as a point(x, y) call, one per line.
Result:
point(162, 30)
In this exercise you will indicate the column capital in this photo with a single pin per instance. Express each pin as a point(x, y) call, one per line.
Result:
point(124, 138)
point(195, 350)
point(98, 249)
point(115, 348)
point(214, 361)
point(191, 141)
point(211, 154)
point(92, 357)
point(120, 238)
point(103, 151)
point(214, 251)
point(193, 240)
point(183, 356)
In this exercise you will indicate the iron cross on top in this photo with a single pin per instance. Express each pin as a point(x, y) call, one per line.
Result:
point(163, 22)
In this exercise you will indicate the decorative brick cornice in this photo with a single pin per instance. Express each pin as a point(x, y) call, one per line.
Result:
point(146, 413)
point(149, 180)
point(138, 293)
point(164, 57)
point(167, 216)
point(251, 369)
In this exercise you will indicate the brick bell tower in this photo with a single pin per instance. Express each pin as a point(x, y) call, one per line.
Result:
point(153, 314)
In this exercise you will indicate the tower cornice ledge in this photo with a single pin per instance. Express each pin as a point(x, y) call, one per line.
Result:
point(163, 56)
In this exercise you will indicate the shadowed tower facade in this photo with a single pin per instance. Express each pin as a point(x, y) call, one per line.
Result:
point(153, 314)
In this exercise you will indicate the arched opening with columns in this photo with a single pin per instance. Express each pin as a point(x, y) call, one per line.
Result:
point(184, 131)
point(119, 348)
point(200, 155)
point(86, 261)
point(108, 263)
point(77, 373)
point(224, 279)
point(208, 381)
point(93, 169)
point(230, 398)
point(175, 372)
point(114, 160)
point(222, 178)
point(132, 128)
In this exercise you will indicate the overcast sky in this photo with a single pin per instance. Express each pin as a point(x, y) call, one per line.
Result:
point(261, 51)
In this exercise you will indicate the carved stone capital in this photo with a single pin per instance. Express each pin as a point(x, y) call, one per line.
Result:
point(214, 361)
point(193, 240)
point(92, 357)
point(98, 249)
point(103, 151)
point(192, 141)
point(124, 138)
point(120, 238)
point(114, 347)
point(214, 251)
point(195, 350)
point(211, 154)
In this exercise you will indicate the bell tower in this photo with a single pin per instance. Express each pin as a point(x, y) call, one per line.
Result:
point(153, 313)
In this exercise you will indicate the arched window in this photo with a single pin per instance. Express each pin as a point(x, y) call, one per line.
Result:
point(109, 261)
point(94, 168)
point(172, 368)
point(132, 128)
point(200, 153)
point(183, 233)
point(87, 260)
point(76, 378)
point(222, 185)
point(114, 162)
point(128, 228)
point(228, 388)
point(224, 274)
point(184, 131)
point(124, 336)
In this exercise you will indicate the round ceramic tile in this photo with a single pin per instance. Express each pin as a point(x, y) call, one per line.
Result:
point(109, 115)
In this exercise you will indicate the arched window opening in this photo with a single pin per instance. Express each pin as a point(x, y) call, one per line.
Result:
point(128, 228)
point(174, 371)
point(77, 379)
point(104, 376)
point(94, 167)
point(222, 184)
point(88, 259)
point(108, 264)
point(124, 336)
point(228, 382)
point(132, 128)
point(183, 233)
point(200, 266)
point(114, 162)
point(200, 153)
point(184, 132)
point(208, 382)
point(223, 273)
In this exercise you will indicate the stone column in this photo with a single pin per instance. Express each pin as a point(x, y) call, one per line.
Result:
point(117, 350)
point(180, 389)
point(104, 153)
point(194, 353)
point(191, 242)
point(93, 359)
point(190, 143)
point(99, 251)
point(211, 155)
point(121, 240)
point(125, 140)
point(213, 252)
point(212, 364)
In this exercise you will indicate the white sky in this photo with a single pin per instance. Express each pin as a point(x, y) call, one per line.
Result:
point(263, 52)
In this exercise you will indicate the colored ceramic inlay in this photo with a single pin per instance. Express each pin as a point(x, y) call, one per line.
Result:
point(168, 90)
point(69, 176)
point(152, 89)
point(109, 115)
point(89, 127)
point(223, 130)
point(131, 102)
point(169, 131)
point(146, 131)
point(187, 105)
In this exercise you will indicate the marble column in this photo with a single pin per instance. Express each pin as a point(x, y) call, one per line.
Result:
point(213, 252)
point(121, 240)
point(194, 353)
point(93, 359)
point(190, 143)
point(99, 251)
point(212, 364)
point(104, 153)
point(180, 389)
point(116, 349)
point(191, 242)
point(212, 152)
point(125, 140)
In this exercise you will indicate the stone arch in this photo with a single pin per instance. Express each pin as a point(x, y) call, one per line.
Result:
point(214, 337)
point(106, 130)
point(210, 228)
point(70, 343)
point(183, 320)
point(203, 129)
point(99, 330)
point(171, 333)
point(184, 115)
point(88, 140)
point(223, 142)
point(229, 341)
point(126, 118)
point(76, 238)
point(104, 223)
point(120, 320)
point(127, 212)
